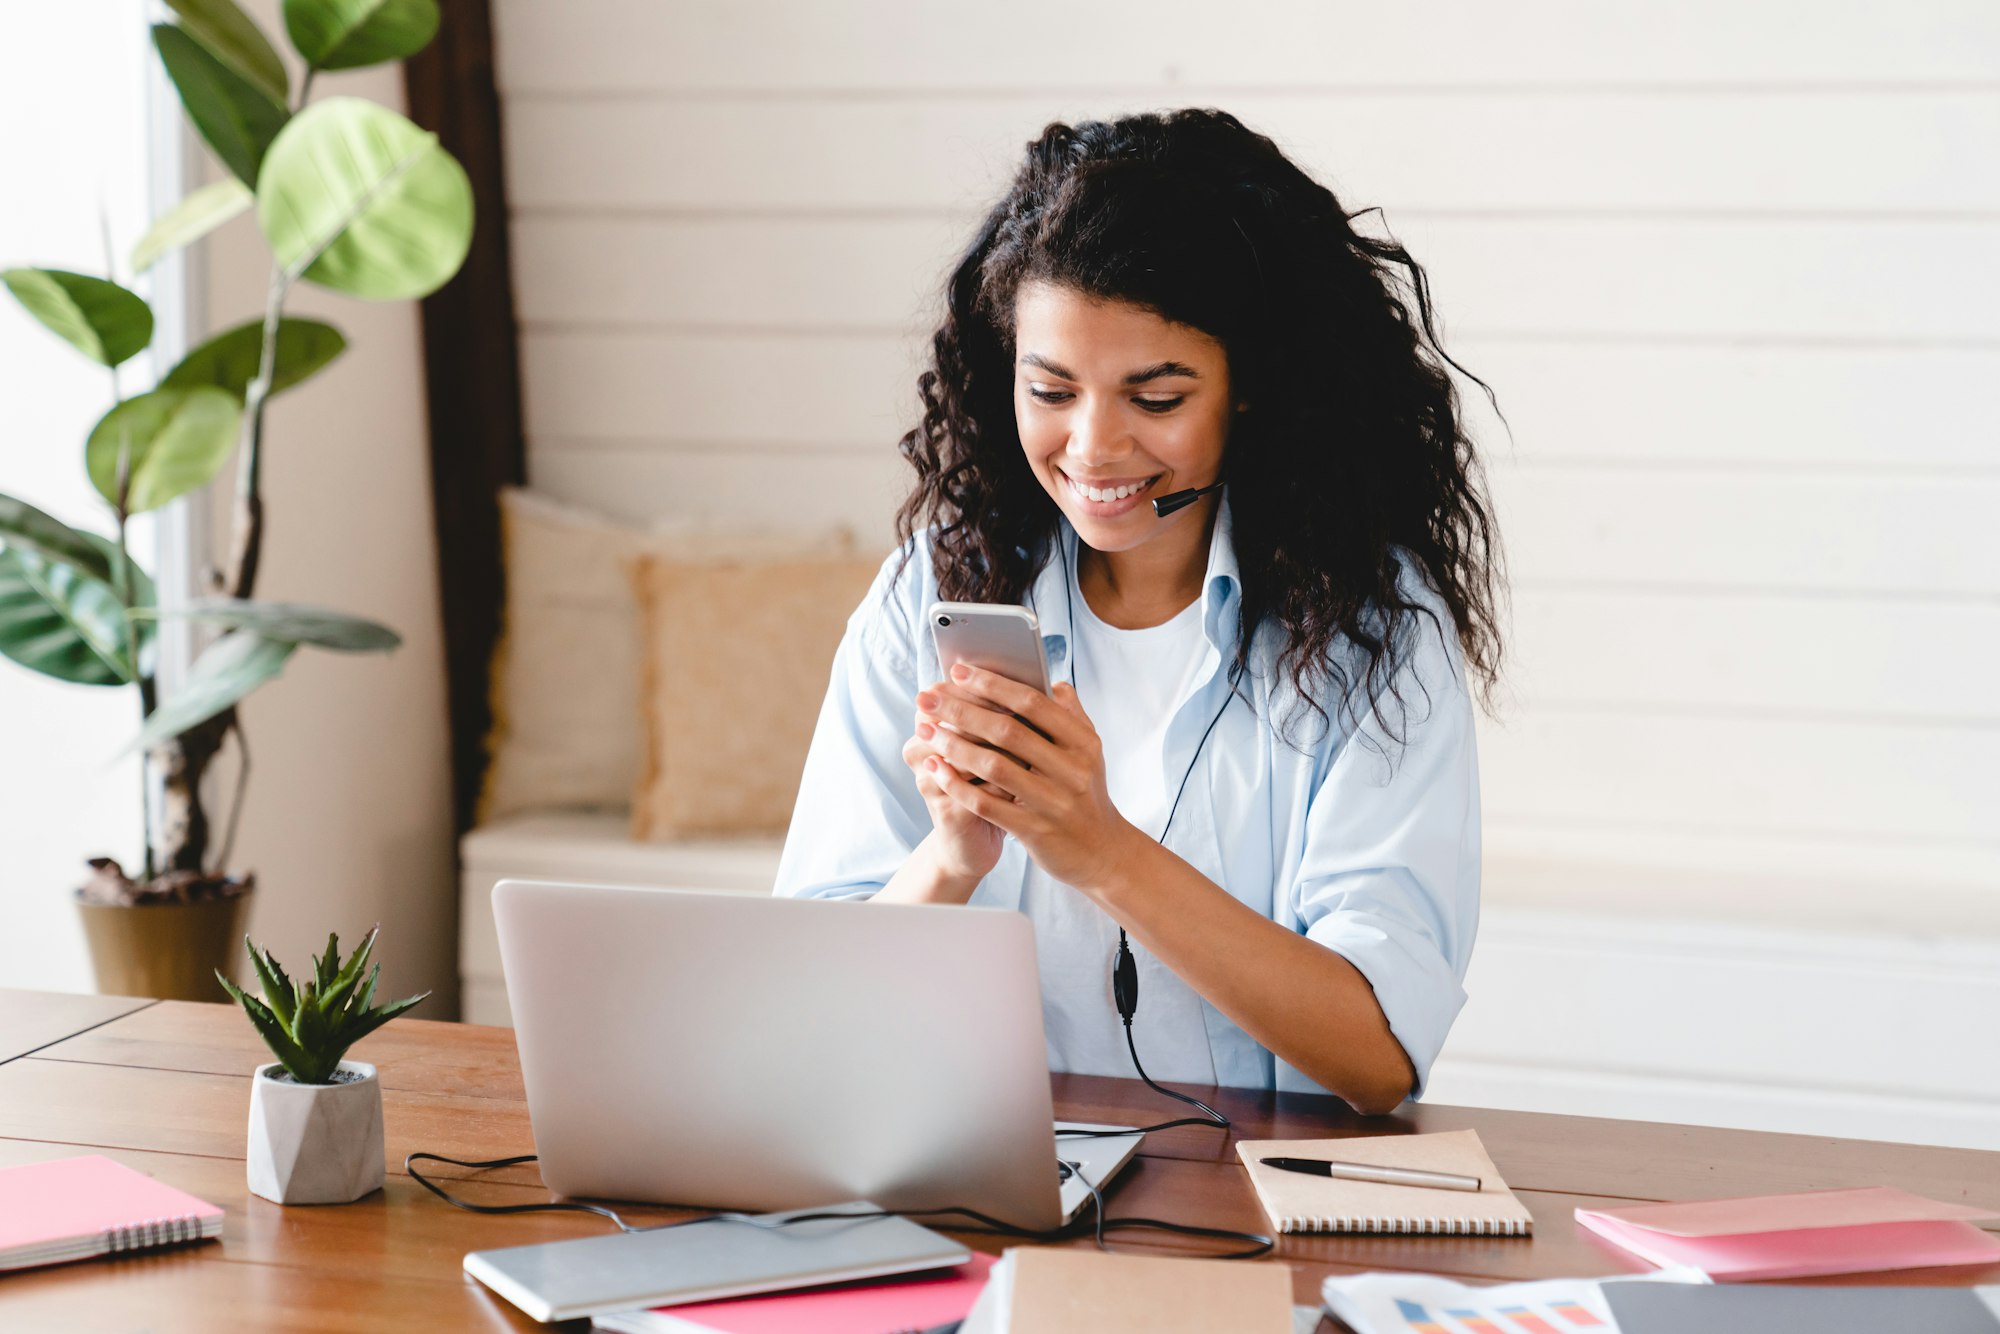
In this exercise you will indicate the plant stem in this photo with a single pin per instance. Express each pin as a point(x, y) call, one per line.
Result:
point(246, 545)
point(123, 584)
point(248, 539)
point(189, 755)
point(247, 536)
point(147, 702)
point(236, 799)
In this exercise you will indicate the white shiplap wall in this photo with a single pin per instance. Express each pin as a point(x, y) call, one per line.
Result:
point(1733, 269)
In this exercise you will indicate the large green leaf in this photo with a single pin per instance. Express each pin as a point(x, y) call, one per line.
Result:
point(100, 319)
point(232, 37)
point(227, 670)
point(291, 622)
point(346, 34)
point(60, 622)
point(356, 198)
point(236, 117)
point(24, 526)
point(177, 439)
point(230, 359)
point(200, 213)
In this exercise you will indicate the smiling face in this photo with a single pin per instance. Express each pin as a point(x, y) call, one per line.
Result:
point(1117, 407)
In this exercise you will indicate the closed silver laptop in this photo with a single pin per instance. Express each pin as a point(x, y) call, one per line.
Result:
point(740, 1052)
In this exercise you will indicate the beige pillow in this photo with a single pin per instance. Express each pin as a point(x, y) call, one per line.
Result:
point(736, 655)
point(564, 679)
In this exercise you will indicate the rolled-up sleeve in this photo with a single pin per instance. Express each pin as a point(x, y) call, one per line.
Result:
point(858, 814)
point(1389, 874)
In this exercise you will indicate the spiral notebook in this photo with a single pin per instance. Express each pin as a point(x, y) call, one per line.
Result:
point(1298, 1203)
point(75, 1208)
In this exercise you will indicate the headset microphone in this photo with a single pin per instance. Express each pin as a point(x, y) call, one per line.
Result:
point(1167, 504)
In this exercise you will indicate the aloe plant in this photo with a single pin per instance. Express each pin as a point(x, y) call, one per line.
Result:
point(348, 195)
point(309, 1026)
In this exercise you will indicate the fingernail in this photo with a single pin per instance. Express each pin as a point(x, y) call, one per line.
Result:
point(960, 672)
point(931, 764)
point(926, 700)
point(925, 730)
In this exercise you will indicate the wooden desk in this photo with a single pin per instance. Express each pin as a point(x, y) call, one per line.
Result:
point(30, 1020)
point(165, 1088)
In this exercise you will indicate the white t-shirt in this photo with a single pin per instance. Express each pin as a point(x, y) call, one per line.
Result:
point(1129, 682)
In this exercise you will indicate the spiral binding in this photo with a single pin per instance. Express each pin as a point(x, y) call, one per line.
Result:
point(152, 1232)
point(1454, 1227)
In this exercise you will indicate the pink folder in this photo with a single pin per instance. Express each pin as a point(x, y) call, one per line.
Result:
point(855, 1308)
point(1796, 1236)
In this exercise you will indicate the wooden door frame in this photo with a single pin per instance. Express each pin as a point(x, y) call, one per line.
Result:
point(472, 381)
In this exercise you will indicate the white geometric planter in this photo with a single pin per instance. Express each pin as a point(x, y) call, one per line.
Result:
point(315, 1143)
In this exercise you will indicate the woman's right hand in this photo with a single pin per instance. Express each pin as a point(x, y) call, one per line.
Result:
point(964, 846)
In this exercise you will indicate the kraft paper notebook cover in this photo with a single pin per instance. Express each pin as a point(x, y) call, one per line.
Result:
point(1040, 1290)
point(75, 1208)
point(1800, 1235)
point(1298, 1203)
point(851, 1308)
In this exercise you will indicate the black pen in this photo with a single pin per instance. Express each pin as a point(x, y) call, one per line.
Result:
point(1387, 1176)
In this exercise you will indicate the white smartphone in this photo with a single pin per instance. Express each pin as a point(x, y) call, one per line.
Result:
point(998, 637)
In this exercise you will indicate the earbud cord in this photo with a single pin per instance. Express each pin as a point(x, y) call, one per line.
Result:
point(1124, 967)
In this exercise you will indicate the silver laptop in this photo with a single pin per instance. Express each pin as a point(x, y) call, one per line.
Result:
point(744, 1052)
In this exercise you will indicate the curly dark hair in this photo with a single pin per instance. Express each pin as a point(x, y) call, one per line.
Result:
point(1352, 444)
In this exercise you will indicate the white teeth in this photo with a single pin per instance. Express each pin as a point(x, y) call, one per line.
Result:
point(1101, 495)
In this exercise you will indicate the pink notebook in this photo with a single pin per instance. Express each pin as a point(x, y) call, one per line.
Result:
point(880, 1307)
point(1796, 1236)
point(74, 1208)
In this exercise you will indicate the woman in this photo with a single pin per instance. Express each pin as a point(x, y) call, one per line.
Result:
point(1272, 677)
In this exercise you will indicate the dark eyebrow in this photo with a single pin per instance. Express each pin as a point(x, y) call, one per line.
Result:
point(1158, 372)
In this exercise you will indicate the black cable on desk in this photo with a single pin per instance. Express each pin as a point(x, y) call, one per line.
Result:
point(1259, 1243)
point(1210, 1117)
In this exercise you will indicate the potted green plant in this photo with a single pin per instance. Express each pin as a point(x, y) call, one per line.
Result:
point(348, 195)
point(315, 1117)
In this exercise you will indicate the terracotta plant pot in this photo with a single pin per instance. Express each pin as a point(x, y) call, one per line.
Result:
point(315, 1143)
point(166, 950)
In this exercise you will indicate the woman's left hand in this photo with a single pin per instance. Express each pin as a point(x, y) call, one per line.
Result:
point(1051, 792)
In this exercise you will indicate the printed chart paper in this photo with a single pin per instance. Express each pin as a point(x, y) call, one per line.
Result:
point(1429, 1304)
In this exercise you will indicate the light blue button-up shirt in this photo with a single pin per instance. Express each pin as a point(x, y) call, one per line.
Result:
point(1316, 830)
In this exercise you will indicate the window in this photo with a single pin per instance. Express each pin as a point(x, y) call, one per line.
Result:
point(78, 95)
